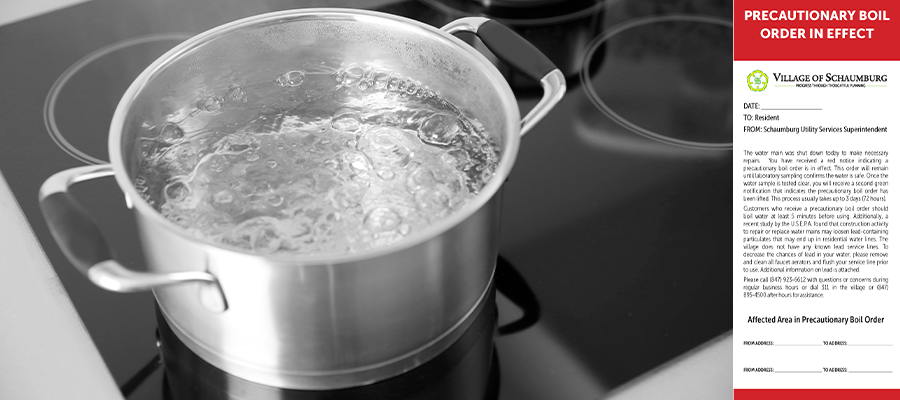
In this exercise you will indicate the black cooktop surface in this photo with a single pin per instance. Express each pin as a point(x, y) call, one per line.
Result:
point(614, 247)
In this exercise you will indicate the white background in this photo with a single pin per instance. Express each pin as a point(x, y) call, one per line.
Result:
point(870, 106)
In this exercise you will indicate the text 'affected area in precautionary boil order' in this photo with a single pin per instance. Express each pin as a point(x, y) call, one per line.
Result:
point(815, 282)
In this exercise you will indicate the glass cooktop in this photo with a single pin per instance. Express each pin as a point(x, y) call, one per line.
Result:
point(614, 246)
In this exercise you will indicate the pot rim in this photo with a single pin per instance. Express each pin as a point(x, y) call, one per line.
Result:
point(511, 136)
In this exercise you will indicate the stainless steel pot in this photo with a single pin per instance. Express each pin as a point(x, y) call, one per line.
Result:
point(311, 322)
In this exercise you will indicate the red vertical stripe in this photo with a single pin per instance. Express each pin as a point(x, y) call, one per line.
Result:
point(816, 394)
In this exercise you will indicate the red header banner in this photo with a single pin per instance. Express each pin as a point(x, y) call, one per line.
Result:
point(816, 394)
point(777, 30)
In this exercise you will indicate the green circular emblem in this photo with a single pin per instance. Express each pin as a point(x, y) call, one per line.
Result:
point(757, 80)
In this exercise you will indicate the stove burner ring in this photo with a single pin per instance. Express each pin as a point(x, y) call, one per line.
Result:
point(466, 8)
point(595, 97)
point(50, 101)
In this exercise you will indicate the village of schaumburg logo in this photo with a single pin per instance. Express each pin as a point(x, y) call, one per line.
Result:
point(757, 80)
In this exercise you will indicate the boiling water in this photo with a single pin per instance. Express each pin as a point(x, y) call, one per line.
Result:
point(316, 163)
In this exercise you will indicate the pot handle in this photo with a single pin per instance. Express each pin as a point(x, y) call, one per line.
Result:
point(84, 245)
point(522, 56)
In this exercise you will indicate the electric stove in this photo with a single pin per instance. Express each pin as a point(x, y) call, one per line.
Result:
point(614, 248)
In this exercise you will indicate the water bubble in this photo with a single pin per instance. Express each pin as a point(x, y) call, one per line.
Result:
point(237, 239)
point(267, 240)
point(251, 156)
point(223, 223)
point(291, 78)
point(443, 103)
point(260, 234)
point(386, 145)
point(439, 129)
point(386, 173)
point(433, 200)
point(170, 133)
point(382, 219)
point(299, 225)
point(215, 220)
point(351, 75)
point(235, 143)
point(275, 200)
point(169, 157)
point(393, 83)
point(426, 93)
point(236, 93)
point(262, 188)
point(271, 164)
point(345, 120)
point(210, 103)
point(141, 184)
point(456, 158)
point(324, 229)
point(324, 179)
point(176, 191)
point(356, 161)
point(304, 180)
point(411, 87)
point(332, 164)
point(380, 80)
point(223, 197)
point(453, 181)
point(180, 218)
point(487, 174)
point(348, 197)
point(217, 163)
point(419, 178)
